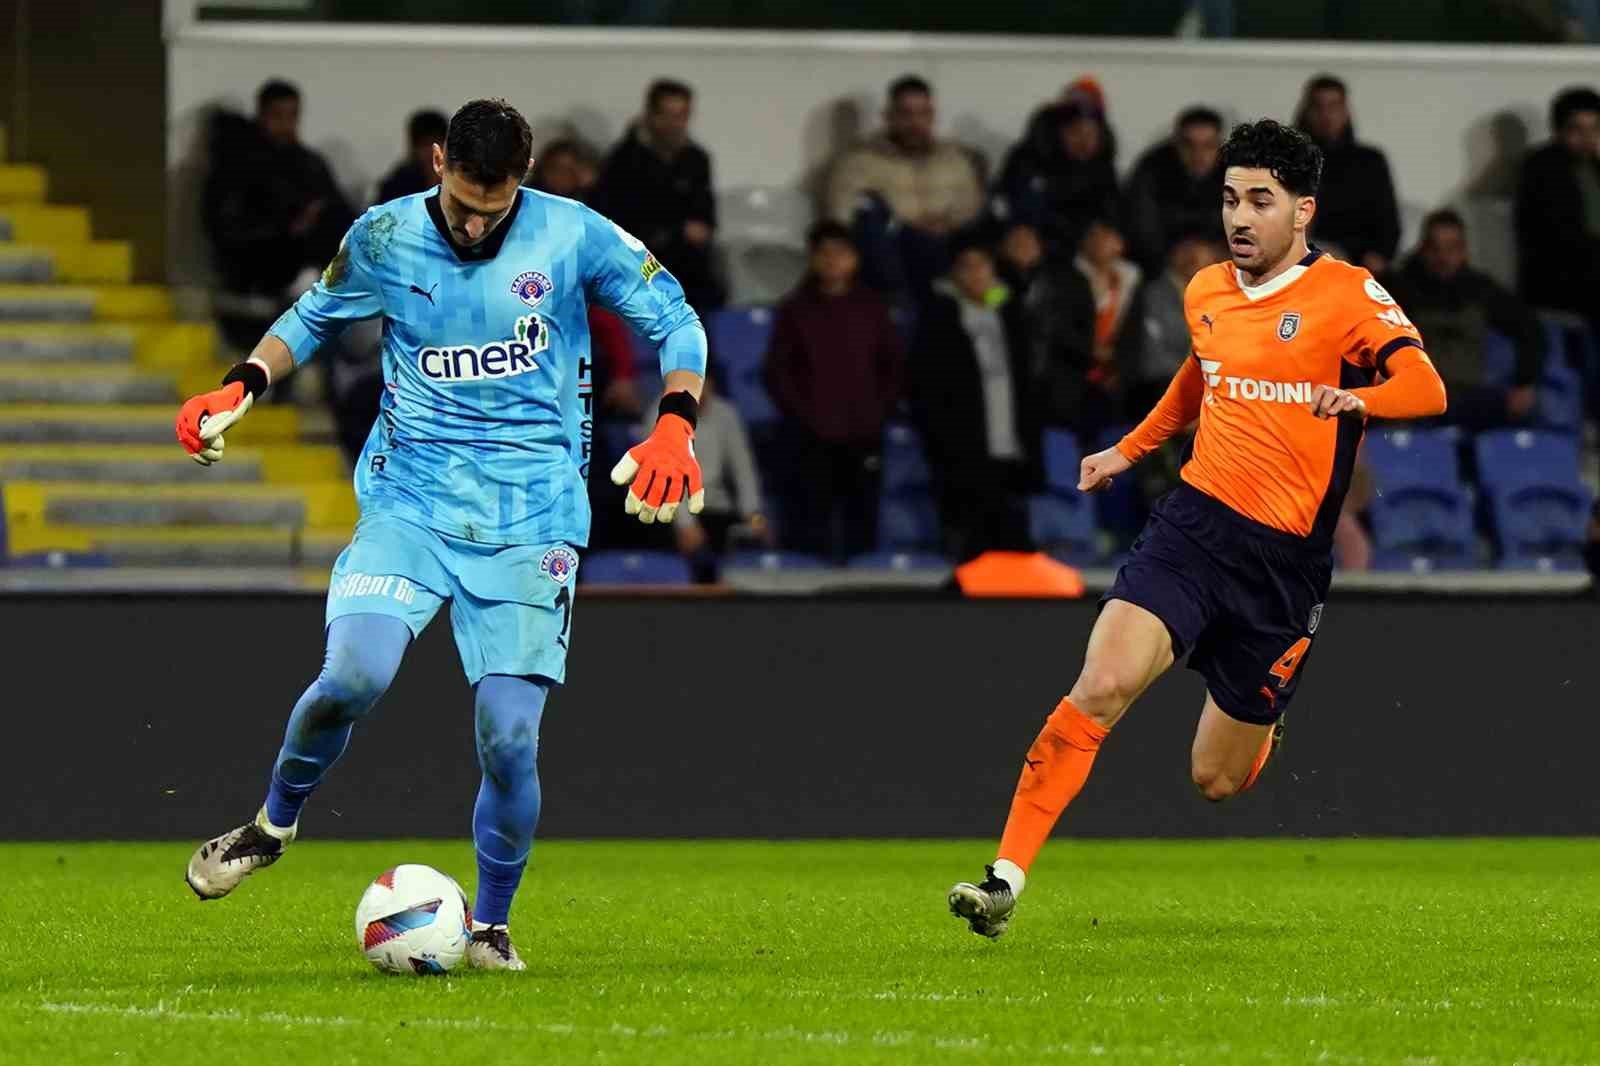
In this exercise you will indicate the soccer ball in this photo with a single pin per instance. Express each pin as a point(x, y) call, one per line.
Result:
point(413, 919)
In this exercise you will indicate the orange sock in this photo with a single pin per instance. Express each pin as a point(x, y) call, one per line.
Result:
point(1260, 763)
point(1055, 769)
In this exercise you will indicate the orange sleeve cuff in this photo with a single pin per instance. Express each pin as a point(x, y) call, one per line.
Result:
point(1178, 406)
point(1414, 388)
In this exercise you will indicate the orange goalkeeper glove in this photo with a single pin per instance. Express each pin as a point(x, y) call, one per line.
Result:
point(662, 472)
point(202, 419)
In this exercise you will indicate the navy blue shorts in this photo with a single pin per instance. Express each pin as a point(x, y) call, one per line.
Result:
point(1241, 599)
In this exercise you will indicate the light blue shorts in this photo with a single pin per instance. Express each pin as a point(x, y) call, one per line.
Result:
point(510, 605)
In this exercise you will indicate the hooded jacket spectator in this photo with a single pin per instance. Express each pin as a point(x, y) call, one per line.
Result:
point(1060, 176)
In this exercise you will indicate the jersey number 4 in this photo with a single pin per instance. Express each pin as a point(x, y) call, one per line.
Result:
point(1289, 661)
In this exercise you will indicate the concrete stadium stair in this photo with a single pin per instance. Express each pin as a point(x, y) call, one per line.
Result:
point(92, 369)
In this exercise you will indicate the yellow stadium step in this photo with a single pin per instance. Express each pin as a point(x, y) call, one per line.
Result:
point(152, 345)
point(80, 383)
point(133, 424)
point(190, 546)
point(84, 303)
point(282, 464)
point(97, 262)
point(43, 223)
point(316, 503)
point(23, 184)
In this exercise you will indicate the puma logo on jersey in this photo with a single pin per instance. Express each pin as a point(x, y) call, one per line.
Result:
point(489, 362)
point(1251, 388)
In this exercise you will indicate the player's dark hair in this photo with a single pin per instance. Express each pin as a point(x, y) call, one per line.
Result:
point(1445, 216)
point(664, 89)
point(273, 91)
point(1292, 157)
point(1324, 82)
point(908, 83)
point(828, 230)
point(1198, 116)
point(1573, 101)
point(428, 126)
point(488, 141)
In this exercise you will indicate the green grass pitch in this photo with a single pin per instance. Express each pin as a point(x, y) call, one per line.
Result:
point(1285, 952)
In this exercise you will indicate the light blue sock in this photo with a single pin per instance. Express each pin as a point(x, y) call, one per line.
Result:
point(364, 651)
point(507, 812)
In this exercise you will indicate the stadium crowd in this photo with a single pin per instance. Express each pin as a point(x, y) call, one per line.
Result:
point(960, 334)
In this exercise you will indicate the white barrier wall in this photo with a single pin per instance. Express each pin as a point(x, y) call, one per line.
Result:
point(773, 107)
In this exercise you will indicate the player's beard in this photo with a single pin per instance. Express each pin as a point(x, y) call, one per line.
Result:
point(1262, 256)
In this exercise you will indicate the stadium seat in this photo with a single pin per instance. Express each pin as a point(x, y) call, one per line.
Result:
point(905, 466)
point(1063, 524)
point(900, 562)
point(1560, 383)
point(907, 521)
point(1121, 510)
point(1537, 502)
point(634, 568)
point(774, 561)
point(738, 339)
point(1421, 510)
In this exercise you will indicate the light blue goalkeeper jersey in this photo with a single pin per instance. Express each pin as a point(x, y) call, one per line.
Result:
point(487, 418)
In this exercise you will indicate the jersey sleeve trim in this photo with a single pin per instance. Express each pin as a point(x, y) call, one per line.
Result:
point(1389, 349)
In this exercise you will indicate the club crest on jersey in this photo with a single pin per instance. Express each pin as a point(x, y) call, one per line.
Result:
point(1316, 619)
point(1288, 325)
point(558, 565)
point(531, 287)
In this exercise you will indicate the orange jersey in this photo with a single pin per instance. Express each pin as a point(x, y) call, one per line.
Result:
point(1258, 354)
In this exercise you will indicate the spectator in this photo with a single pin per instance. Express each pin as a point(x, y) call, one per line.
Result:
point(904, 192)
point(1176, 189)
point(1060, 312)
point(733, 488)
point(656, 183)
point(566, 167)
point(415, 173)
point(834, 368)
point(1456, 307)
point(271, 208)
point(1357, 215)
point(1155, 340)
point(971, 393)
point(569, 167)
point(1558, 210)
point(1113, 280)
point(1352, 544)
point(1060, 177)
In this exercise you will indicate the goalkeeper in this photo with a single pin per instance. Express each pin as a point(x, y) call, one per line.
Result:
point(472, 482)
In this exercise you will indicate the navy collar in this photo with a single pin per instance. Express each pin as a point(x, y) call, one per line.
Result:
point(486, 249)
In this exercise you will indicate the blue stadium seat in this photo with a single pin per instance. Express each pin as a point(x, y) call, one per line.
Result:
point(738, 338)
point(905, 465)
point(1560, 384)
point(634, 568)
point(1421, 511)
point(1538, 503)
point(774, 561)
point(1499, 358)
point(907, 521)
point(1062, 459)
point(1064, 524)
point(900, 562)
